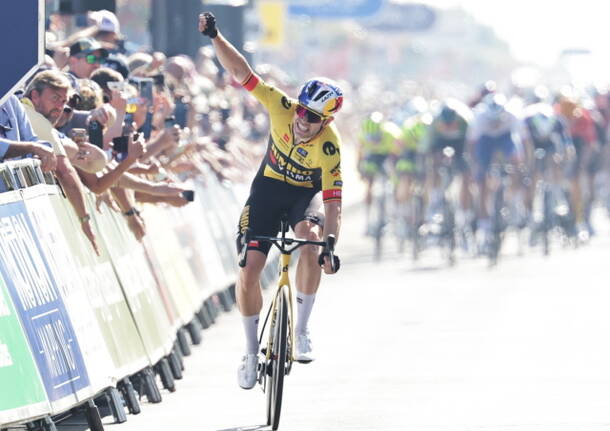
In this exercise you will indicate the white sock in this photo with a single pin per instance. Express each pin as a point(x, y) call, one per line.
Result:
point(304, 306)
point(251, 330)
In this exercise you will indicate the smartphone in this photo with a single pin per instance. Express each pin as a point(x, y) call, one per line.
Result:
point(120, 144)
point(116, 85)
point(159, 80)
point(78, 135)
point(189, 195)
point(96, 133)
point(128, 122)
point(181, 113)
point(145, 87)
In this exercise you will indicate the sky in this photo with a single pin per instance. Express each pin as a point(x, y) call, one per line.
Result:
point(538, 30)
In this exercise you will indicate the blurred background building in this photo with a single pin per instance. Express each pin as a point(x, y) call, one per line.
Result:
point(446, 51)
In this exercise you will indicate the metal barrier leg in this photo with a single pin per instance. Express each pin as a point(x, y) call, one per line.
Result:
point(194, 329)
point(178, 354)
point(45, 424)
point(174, 365)
point(204, 318)
point(116, 405)
point(212, 310)
point(167, 379)
point(225, 300)
point(129, 395)
point(93, 416)
point(146, 384)
point(183, 343)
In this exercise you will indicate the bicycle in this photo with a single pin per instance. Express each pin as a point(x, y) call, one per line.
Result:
point(278, 352)
point(379, 219)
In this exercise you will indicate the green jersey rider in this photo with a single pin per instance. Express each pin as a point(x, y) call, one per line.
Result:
point(377, 143)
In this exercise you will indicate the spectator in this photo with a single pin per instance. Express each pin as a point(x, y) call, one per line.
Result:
point(17, 138)
point(86, 55)
point(45, 98)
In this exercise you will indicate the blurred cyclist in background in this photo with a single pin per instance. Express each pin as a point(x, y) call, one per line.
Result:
point(547, 139)
point(377, 143)
point(494, 132)
point(586, 145)
point(412, 149)
point(448, 130)
point(303, 158)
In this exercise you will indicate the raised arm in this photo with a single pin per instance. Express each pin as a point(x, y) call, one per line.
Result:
point(230, 58)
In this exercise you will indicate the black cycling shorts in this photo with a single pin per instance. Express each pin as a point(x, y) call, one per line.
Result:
point(268, 200)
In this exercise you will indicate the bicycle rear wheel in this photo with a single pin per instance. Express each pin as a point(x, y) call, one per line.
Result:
point(276, 365)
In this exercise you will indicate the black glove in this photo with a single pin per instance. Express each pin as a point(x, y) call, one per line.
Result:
point(336, 260)
point(210, 27)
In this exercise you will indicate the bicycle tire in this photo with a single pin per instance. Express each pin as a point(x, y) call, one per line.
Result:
point(497, 227)
point(547, 220)
point(418, 221)
point(276, 367)
point(379, 225)
point(449, 232)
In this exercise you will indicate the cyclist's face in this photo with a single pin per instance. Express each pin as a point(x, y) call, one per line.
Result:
point(304, 130)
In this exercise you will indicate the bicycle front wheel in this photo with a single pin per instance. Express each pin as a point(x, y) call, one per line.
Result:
point(276, 366)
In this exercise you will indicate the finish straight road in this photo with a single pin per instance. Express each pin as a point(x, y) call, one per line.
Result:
point(524, 346)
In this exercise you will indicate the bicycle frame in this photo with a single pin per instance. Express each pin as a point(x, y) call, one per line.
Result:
point(283, 281)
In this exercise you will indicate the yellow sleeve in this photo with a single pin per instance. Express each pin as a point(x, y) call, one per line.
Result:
point(332, 182)
point(269, 96)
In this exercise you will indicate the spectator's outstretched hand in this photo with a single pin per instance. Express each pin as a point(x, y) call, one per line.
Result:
point(137, 227)
point(106, 198)
point(136, 149)
point(48, 161)
point(100, 115)
point(86, 227)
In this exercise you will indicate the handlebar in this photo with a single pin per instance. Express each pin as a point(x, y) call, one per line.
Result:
point(283, 244)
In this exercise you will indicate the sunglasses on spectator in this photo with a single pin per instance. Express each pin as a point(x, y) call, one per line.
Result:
point(310, 117)
point(92, 59)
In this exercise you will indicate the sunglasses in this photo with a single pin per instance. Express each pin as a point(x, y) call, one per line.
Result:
point(92, 59)
point(310, 117)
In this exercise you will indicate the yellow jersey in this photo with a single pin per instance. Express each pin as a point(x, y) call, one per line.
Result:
point(315, 164)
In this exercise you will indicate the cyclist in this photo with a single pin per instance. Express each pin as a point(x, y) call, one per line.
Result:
point(449, 129)
point(546, 136)
point(377, 143)
point(410, 169)
point(302, 159)
point(585, 139)
point(494, 130)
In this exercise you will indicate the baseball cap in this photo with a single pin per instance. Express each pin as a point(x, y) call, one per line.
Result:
point(87, 46)
point(106, 21)
point(117, 62)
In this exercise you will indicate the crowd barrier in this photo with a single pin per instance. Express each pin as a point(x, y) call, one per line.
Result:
point(78, 329)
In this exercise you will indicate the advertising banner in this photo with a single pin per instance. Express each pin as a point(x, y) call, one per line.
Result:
point(102, 288)
point(221, 216)
point(170, 257)
point(139, 286)
point(36, 296)
point(71, 286)
point(26, 397)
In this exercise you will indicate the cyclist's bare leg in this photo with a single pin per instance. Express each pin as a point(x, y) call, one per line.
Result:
point(248, 289)
point(308, 272)
point(403, 194)
point(483, 193)
point(466, 199)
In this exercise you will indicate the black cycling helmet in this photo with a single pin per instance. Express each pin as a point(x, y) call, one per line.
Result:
point(448, 114)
